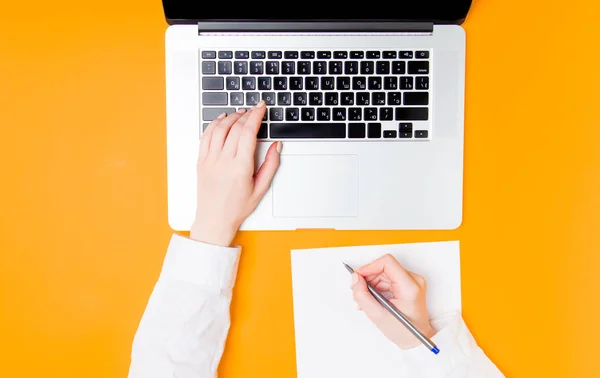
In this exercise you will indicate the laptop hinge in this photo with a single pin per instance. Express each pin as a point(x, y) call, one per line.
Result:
point(314, 27)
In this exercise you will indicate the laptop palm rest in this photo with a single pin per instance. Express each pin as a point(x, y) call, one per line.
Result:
point(316, 186)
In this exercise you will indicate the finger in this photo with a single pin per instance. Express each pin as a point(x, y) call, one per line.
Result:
point(219, 133)
point(233, 138)
point(418, 279)
point(364, 299)
point(207, 135)
point(266, 172)
point(389, 266)
point(247, 142)
point(382, 286)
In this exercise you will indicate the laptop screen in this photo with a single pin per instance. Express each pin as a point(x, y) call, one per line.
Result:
point(440, 11)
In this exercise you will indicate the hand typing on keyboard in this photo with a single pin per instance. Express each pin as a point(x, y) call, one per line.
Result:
point(228, 188)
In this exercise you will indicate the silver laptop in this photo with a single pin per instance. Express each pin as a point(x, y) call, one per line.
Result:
point(369, 103)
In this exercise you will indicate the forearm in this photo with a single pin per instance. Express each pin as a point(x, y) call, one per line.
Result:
point(459, 357)
point(183, 330)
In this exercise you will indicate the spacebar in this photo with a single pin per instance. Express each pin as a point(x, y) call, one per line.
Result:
point(317, 130)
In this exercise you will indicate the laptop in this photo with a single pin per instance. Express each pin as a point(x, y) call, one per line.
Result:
point(368, 101)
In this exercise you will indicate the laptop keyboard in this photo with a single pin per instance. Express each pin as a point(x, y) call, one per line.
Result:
point(353, 95)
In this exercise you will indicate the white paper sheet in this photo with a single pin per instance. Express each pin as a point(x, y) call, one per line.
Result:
point(333, 338)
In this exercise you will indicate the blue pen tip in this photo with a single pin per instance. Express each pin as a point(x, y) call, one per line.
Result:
point(435, 350)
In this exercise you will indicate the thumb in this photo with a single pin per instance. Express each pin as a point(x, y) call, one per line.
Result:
point(266, 172)
point(364, 299)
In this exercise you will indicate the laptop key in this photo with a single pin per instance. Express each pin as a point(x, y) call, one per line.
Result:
point(291, 54)
point(323, 114)
point(262, 131)
point(343, 83)
point(315, 98)
point(292, 114)
point(212, 83)
point(418, 67)
point(269, 98)
point(225, 68)
point(340, 55)
point(406, 82)
point(276, 114)
point(405, 134)
point(248, 83)
point(240, 67)
point(394, 98)
point(275, 55)
point(284, 98)
point(354, 114)
point(208, 114)
point(233, 83)
point(390, 83)
point(422, 55)
point(370, 114)
point(296, 83)
point(335, 68)
point(300, 98)
point(416, 98)
point(256, 68)
point(382, 68)
point(339, 114)
point(264, 83)
point(328, 130)
point(356, 130)
point(422, 83)
point(331, 98)
point(347, 98)
point(386, 114)
point(225, 55)
point(272, 68)
point(304, 68)
point(311, 83)
point(412, 114)
point(378, 98)
point(209, 54)
point(327, 83)
point(389, 55)
point(421, 134)
point(307, 55)
point(258, 55)
point(324, 55)
point(375, 83)
point(288, 68)
point(399, 67)
point(374, 130)
point(363, 98)
point(405, 127)
point(236, 98)
point(320, 68)
point(359, 82)
point(351, 68)
point(357, 54)
point(390, 133)
point(209, 68)
point(242, 54)
point(405, 55)
point(252, 98)
point(367, 68)
point(280, 83)
point(308, 114)
point(373, 55)
point(214, 98)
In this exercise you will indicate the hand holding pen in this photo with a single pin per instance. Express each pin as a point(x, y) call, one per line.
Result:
point(405, 290)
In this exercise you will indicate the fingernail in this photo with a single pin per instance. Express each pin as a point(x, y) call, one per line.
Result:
point(354, 279)
point(241, 110)
point(260, 104)
point(279, 147)
point(222, 115)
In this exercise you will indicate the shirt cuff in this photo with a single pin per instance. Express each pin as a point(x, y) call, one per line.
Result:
point(207, 265)
point(456, 345)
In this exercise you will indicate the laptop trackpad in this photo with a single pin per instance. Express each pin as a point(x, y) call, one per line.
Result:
point(316, 186)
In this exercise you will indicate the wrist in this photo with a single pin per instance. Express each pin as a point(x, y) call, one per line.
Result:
point(219, 236)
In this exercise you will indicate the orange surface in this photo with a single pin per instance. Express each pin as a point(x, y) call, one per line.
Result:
point(83, 212)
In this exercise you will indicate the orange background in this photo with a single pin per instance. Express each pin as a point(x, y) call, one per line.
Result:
point(83, 211)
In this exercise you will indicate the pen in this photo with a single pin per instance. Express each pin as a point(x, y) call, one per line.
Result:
point(398, 315)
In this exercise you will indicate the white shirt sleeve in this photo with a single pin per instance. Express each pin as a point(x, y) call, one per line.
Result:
point(183, 330)
point(459, 355)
